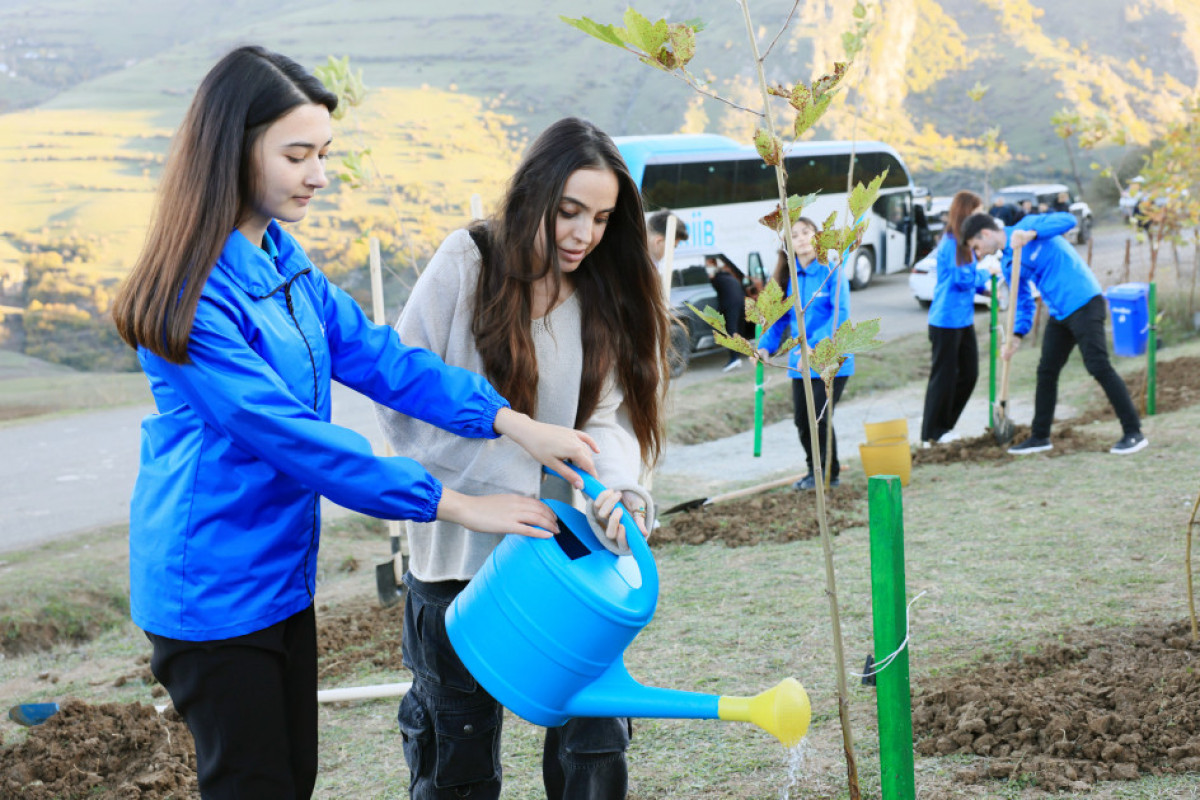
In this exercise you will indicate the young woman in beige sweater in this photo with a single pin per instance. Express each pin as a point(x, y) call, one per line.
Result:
point(557, 302)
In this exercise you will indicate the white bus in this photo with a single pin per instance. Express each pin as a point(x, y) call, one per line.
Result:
point(721, 188)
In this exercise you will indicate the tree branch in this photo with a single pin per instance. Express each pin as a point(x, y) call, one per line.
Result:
point(786, 23)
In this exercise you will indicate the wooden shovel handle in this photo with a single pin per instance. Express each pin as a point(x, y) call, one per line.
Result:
point(1013, 290)
point(762, 487)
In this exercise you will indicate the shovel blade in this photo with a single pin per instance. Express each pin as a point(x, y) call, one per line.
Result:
point(1004, 429)
point(390, 590)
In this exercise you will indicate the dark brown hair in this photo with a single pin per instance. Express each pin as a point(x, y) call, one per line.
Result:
point(964, 204)
point(783, 270)
point(625, 325)
point(207, 184)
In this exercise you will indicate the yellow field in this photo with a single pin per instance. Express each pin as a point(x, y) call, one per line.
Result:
point(94, 173)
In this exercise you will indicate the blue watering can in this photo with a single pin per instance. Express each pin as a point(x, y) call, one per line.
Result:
point(544, 624)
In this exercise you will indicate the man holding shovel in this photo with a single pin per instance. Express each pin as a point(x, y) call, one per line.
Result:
point(1077, 312)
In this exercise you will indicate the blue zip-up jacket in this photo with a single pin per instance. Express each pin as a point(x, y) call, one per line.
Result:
point(225, 517)
point(816, 297)
point(1052, 265)
point(953, 303)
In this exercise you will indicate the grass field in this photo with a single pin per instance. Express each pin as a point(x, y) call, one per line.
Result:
point(1010, 554)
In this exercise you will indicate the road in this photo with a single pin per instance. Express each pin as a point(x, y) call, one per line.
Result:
point(64, 476)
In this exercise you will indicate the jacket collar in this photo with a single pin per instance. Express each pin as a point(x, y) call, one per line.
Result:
point(257, 271)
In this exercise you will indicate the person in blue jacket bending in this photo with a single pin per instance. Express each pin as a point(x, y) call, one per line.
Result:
point(240, 337)
point(825, 296)
point(955, 352)
point(1077, 312)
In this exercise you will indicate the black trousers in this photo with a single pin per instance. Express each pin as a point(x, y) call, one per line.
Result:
point(1084, 327)
point(451, 726)
point(952, 376)
point(251, 705)
point(800, 406)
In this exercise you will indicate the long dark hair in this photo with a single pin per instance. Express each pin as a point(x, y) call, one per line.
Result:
point(962, 205)
point(783, 270)
point(207, 184)
point(625, 319)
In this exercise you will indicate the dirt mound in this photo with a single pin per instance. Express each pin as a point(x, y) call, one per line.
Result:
point(1067, 439)
point(1102, 705)
point(1177, 385)
point(782, 515)
point(105, 752)
point(363, 632)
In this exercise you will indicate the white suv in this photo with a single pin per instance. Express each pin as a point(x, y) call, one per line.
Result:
point(1048, 194)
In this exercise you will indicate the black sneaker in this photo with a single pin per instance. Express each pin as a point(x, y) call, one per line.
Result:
point(1033, 444)
point(805, 484)
point(1130, 443)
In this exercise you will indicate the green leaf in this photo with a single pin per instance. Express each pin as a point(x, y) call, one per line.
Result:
point(978, 91)
point(605, 33)
point(696, 24)
point(863, 198)
point(858, 338)
point(768, 307)
point(829, 354)
point(683, 44)
point(796, 205)
point(769, 147)
point(643, 34)
point(736, 343)
point(713, 318)
point(825, 359)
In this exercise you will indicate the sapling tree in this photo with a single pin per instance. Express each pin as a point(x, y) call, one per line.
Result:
point(670, 47)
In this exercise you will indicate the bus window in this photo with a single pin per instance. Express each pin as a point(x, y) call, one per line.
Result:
point(825, 174)
point(868, 166)
point(755, 181)
point(706, 183)
point(660, 185)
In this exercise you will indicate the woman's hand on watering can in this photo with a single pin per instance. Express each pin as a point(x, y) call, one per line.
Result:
point(606, 503)
point(550, 445)
point(498, 513)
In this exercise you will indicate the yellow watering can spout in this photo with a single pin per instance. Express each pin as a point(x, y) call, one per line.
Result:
point(782, 711)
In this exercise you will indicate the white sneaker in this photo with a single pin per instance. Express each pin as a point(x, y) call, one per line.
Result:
point(948, 437)
point(732, 365)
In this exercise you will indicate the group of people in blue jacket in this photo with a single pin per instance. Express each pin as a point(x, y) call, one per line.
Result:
point(1067, 287)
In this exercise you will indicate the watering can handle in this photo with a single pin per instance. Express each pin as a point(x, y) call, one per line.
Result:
point(637, 543)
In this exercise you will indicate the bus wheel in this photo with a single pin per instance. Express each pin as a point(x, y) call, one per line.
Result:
point(862, 268)
point(681, 350)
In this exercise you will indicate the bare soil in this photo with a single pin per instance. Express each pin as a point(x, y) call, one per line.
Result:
point(1096, 705)
point(782, 515)
point(1091, 705)
point(114, 751)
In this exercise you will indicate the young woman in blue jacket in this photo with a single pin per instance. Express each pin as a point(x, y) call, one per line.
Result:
point(955, 351)
point(241, 336)
point(825, 296)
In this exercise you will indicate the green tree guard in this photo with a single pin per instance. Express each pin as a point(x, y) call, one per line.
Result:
point(1152, 355)
point(893, 695)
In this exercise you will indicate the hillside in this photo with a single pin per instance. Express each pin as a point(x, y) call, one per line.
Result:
point(90, 92)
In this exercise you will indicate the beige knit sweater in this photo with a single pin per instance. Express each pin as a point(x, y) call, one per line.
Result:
point(438, 317)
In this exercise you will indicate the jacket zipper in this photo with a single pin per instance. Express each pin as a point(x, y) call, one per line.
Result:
point(287, 297)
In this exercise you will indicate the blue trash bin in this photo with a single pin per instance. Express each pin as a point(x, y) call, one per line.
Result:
point(1129, 307)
